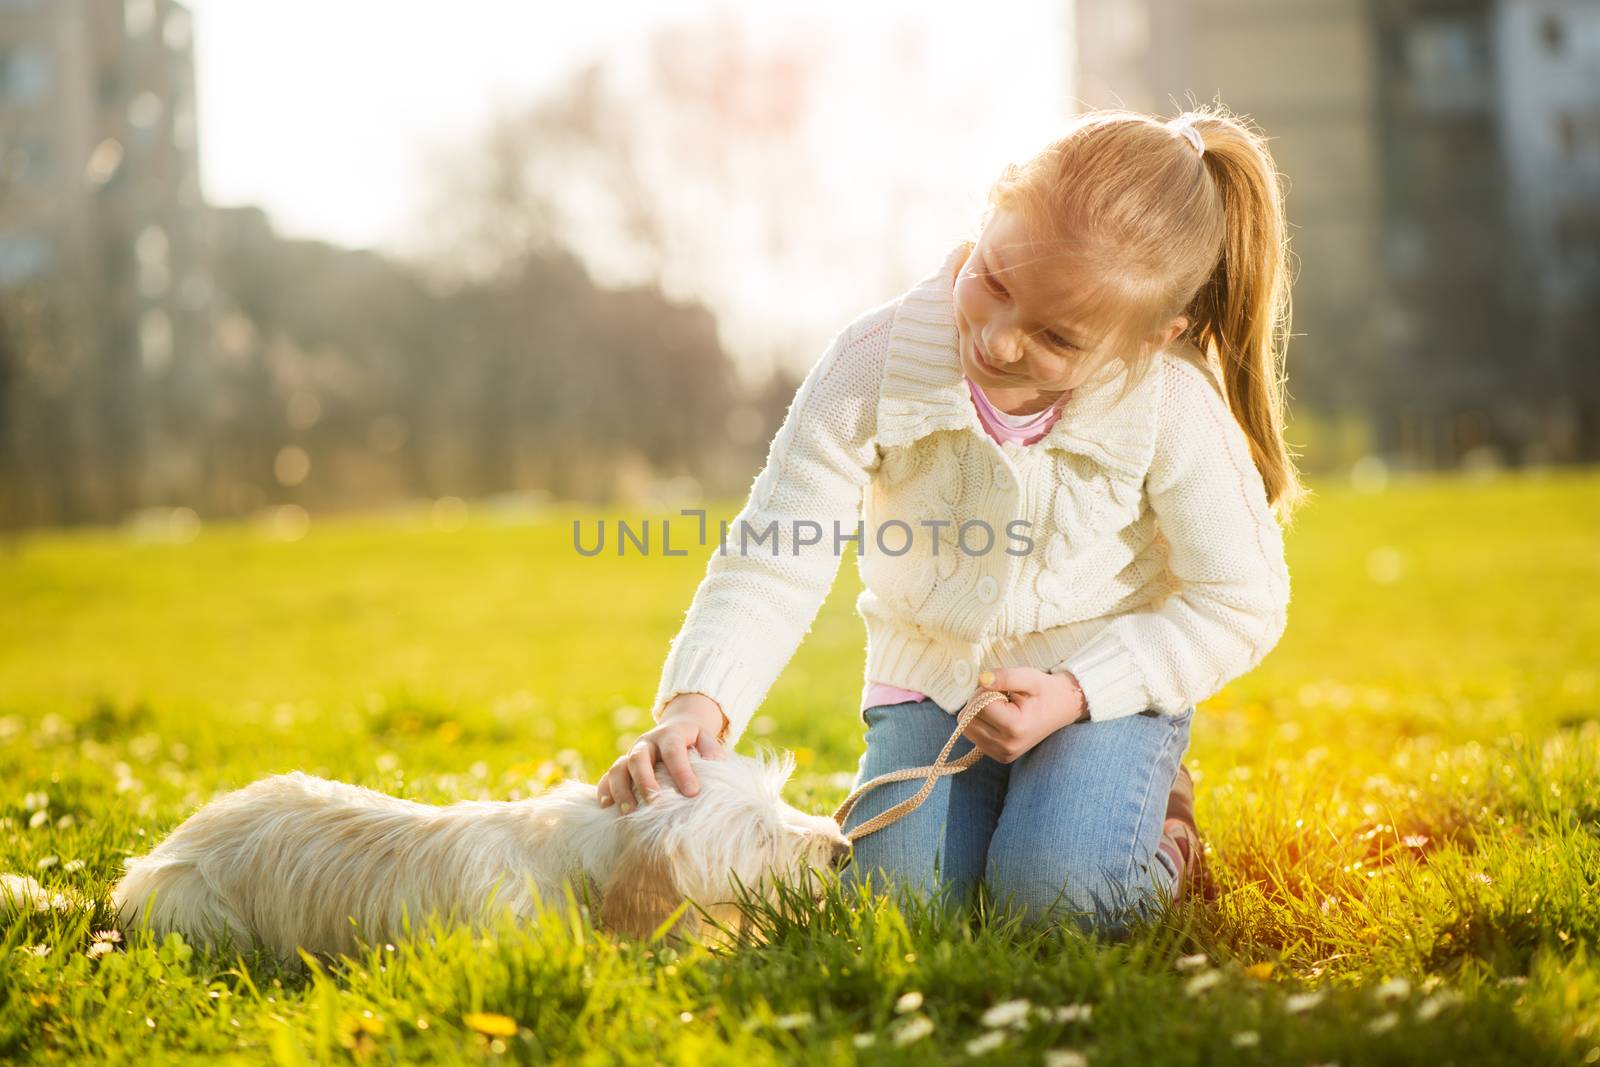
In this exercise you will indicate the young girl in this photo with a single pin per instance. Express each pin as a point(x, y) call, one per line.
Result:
point(1060, 460)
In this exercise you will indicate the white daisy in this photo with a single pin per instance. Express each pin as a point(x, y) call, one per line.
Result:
point(986, 1043)
point(1008, 1013)
point(1394, 989)
point(1065, 1057)
point(1299, 1002)
point(908, 1002)
point(913, 1029)
point(1069, 1013)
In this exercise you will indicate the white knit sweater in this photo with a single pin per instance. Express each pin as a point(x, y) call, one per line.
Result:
point(1155, 573)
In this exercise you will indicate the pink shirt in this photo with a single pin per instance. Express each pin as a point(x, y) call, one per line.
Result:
point(1022, 429)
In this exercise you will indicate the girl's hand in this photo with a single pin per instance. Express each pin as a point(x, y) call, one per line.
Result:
point(1038, 705)
point(690, 720)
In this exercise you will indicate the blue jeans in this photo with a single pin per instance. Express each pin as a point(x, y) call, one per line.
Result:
point(1068, 830)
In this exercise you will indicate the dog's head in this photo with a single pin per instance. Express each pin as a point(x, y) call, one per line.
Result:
point(737, 830)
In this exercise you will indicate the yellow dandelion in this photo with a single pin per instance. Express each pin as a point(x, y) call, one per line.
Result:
point(491, 1024)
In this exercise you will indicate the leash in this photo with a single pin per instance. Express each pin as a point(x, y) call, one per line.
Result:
point(934, 771)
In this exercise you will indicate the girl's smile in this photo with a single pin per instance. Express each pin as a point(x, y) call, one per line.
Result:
point(1012, 338)
point(977, 354)
point(1006, 342)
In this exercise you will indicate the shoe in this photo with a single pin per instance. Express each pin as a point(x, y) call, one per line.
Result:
point(1181, 838)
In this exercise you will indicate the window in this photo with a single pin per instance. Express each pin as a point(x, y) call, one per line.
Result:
point(183, 124)
point(138, 17)
point(155, 273)
point(24, 73)
point(1567, 133)
point(1443, 52)
point(155, 340)
point(110, 87)
point(1553, 32)
point(176, 30)
point(25, 159)
point(22, 256)
point(144, 110)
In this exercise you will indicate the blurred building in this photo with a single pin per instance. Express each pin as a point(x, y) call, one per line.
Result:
point(1443, 164)
point(102, 227)
point(1549, 103)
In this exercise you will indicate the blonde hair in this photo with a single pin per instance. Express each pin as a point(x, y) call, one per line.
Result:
point(1135, 227)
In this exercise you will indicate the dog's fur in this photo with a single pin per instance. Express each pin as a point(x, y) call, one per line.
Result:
point(296, 862)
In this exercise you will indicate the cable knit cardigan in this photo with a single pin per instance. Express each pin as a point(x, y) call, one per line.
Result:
point(1143, 558)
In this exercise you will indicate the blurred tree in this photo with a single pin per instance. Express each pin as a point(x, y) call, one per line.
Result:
point(395, 386)
point(544, 342)
point(658, 167)
point(675, 164)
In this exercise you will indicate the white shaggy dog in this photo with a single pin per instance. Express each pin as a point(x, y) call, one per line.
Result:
point(299, 862)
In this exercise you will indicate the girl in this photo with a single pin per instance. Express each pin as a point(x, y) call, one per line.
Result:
point(1060, 459)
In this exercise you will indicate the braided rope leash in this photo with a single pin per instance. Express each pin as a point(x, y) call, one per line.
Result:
point(933, 772)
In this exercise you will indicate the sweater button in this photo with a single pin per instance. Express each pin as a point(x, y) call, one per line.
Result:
point(962, 672)
point(988, 589)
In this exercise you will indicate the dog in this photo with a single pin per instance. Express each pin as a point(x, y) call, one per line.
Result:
point(296, 862)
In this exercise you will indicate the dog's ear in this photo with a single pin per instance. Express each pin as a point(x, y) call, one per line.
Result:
point(642, 892)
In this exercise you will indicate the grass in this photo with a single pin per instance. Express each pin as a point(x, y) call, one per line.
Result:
point(1399, 801)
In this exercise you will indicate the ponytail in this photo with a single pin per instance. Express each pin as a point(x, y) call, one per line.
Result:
point(1242, 311)
point(1181, 218)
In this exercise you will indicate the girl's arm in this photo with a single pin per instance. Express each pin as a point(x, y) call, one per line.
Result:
point(757, 600)
point(1224, 547)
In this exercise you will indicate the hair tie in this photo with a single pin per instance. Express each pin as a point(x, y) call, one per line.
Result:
point(1185, 125)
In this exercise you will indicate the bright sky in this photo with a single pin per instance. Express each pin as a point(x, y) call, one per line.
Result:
point(323, 113)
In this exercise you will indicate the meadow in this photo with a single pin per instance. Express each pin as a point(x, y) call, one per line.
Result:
point(1399, 803)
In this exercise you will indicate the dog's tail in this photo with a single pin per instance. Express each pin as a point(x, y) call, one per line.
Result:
point(19, 894)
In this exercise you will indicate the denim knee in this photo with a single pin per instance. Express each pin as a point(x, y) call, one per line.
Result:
point(1087, 850)
point(937, 848)
point(1087, 890)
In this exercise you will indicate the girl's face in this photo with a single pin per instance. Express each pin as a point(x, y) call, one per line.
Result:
point(1011, 331)
point(1009, 338)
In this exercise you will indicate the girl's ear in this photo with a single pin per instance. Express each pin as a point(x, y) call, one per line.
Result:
point(1174, 330)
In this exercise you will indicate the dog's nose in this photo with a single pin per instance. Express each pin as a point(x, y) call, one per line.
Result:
point(841, 853)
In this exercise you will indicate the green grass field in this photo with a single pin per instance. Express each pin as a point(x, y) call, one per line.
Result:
point(1400, 803)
